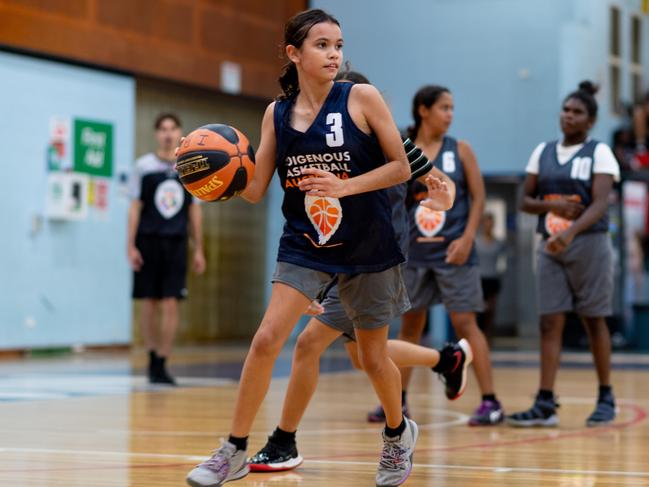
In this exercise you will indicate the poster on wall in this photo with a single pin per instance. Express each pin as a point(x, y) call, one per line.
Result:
point(93, 148)
point(67, 196)
point(98, 194)
point(58, 149)
point(80, 166)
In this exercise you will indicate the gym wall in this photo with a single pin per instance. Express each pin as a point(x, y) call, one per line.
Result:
point(181, 40)
point(227, 301)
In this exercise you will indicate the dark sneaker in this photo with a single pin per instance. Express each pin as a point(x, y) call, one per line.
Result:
point(489, 413)
point(226, 464)
point(455, 379)
point(396, 458)
point(161, 376)
point(158, 370)
point(378, 415)
point(542, 413)
point(153, 365)
point(604, 412)
point(275, 458)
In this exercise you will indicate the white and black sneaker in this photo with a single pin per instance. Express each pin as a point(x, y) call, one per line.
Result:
point(274, 457)
point(461, 355)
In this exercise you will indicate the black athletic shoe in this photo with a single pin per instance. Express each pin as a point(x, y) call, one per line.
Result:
point(604, 412)
point(455, 379)
point(162, 377)
point(275, 458)
point(542, 413)
point(378, 415)
point(158, 372)
point(153, 363)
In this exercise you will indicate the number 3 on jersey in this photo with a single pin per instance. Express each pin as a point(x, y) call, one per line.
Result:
point(335, 122)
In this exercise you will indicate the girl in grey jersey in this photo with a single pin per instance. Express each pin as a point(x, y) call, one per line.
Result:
point(442, 263)
point(568, 184)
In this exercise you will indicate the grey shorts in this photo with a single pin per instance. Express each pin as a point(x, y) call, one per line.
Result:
point(457, 287)
point(334, 315)
point(579, 279)
point(370, 300)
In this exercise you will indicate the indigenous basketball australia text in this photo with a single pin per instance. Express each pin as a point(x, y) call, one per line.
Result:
point(334, 162)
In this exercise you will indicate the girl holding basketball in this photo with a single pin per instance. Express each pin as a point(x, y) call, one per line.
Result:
point(568, 184)
point(330, 321)
point(442, 264)
point(334, 145)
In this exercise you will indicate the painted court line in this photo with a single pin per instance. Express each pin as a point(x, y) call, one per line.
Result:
point(639, 415)
point(460, 420)
point(433, 466)
point(430, 466)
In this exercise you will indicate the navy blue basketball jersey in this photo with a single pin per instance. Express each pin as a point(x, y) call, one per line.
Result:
point(165, 202)
point(349, 235)
point(397, 197)
point(573, 180)
point(431, 232)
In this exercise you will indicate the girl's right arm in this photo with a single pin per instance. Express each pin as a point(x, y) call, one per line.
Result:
point(264, 159)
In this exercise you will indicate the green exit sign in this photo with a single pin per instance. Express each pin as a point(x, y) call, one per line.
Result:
point(93, 147)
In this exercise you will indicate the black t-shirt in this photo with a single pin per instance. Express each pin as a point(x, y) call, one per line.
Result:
point(165, 202)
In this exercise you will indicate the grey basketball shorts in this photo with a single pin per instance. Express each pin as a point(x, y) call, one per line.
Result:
point(368, 300)
point(457, 287)
point(580, 279)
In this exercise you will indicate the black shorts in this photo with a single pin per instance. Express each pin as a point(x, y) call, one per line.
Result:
point(163, 274)
point(490, 286)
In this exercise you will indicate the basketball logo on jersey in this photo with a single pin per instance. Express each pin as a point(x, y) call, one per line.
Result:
point(325, 214)
point(448, 161)
point(169, 198)
point(555, 223)
point(429, 222)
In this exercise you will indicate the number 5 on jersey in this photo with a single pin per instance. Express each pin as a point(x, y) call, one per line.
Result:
point(335, 123)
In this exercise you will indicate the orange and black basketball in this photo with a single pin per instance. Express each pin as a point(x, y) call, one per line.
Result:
point(215, 162)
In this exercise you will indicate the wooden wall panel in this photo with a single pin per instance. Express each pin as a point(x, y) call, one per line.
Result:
point(178, 40)
point(226, 302)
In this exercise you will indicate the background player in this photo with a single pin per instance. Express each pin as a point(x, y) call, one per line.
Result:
point(442, 264)
point(490, 251)
point(160, 215)
point(568, 185)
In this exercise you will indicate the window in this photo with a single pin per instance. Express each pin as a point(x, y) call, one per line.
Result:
point(615, 60)
point(636, 58)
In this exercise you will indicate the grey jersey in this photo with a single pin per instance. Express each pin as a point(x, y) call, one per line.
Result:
point(572, 180)
point(431, 232)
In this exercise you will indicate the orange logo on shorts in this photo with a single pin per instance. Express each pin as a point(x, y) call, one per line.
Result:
point(325, 214)
point(555, 224)
point(429, 222)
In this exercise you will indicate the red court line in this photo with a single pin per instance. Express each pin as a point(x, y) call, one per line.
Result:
point(639, 415)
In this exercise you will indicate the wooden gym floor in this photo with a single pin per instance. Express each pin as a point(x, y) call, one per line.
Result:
point(91, 420)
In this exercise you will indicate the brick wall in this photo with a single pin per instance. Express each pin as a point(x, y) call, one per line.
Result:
point(177, 40)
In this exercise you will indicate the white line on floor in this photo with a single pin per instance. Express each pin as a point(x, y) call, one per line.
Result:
point(460, 420)
point(494, 469)
point(430, 466)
